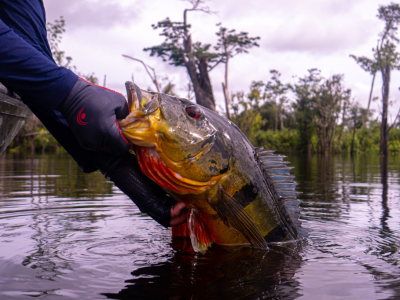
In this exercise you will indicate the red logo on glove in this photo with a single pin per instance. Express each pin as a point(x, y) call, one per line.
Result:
point(81, 116)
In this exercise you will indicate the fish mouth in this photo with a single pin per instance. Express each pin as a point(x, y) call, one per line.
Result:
point(145, 125)
point(149, 125)
point(138, 101)
point(144, 113)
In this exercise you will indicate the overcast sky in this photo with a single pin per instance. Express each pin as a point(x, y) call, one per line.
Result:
point(295, 36)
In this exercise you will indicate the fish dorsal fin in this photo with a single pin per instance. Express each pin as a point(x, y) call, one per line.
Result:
point(236, 217)
point(199, 234)
point(281, 184)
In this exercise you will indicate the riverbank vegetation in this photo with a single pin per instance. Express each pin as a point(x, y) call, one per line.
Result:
point(312, 114)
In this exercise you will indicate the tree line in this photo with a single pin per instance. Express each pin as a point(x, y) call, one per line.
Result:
point(321, 117)
point(313, 114)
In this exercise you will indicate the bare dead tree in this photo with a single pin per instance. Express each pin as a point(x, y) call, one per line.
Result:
point(147, 67)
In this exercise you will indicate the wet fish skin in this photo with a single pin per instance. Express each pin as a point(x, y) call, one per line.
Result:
point(204, 160)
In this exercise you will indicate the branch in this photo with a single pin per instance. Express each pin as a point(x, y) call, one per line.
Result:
point(195, 7)
point(216, 64)
point(394, 121)
point(34, 134)
point(147, 67)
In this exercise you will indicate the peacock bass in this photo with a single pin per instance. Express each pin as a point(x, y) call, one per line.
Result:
point(236, 194)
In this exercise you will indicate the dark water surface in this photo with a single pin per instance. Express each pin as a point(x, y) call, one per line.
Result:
point(68, 235)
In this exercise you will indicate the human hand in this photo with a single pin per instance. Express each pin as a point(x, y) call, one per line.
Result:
point(91, 112)
point(178, 214)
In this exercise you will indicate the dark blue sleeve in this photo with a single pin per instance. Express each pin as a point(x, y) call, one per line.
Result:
point(26, 65)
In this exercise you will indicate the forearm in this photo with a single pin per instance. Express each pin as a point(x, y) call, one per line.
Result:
point(125, 172)
point(29, 73)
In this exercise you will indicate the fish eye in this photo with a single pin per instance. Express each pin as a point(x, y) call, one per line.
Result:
point(193, 111)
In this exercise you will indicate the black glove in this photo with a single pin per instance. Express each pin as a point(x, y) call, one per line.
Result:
point(125, 172)
point(92, 112)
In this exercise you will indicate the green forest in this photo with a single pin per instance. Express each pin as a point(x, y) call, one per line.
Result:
point(312, 114)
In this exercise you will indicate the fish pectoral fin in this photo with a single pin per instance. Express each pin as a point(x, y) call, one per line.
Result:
point(236, 217)
point(199, 234)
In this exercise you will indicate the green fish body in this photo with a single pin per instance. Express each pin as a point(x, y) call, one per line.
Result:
point(236, 194)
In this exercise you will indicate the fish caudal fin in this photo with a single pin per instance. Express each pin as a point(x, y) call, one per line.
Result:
point(199, 234)
point(236, 217)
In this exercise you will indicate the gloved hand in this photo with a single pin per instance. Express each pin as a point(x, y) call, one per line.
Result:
point(91, 112)
point(125, 172)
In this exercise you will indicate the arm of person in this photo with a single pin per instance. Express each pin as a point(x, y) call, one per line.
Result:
point(46, 87)
point(91, 111)
point(32, 75)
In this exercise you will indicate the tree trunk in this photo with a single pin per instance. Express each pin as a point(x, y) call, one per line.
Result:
point(324, 139)
point(308, 139)
point(207, 96)
point(384, 142)
point(200, 79)
point(319, 141)
point(312, 144)
point(280, 115)
point(225, 85)
point(224, 89)
point(370, 98)
point(330, 141)
point(354, 135)
point(339, 143)
point(276, 116)
point(201, 83)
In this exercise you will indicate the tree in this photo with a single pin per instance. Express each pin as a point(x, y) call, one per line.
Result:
point(385, 60)
point(179, 50)
point(329, 101)
point(54, 36)
point(276, 92)
point(357, 115)
point(371, 66)
point(147, 67)
point(230, 44)
point(246, 112)
point(304, 106)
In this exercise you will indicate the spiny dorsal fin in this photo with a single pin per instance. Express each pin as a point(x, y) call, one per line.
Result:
point(281, 184)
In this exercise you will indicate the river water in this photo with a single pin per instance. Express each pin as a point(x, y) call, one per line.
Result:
point(69, 235)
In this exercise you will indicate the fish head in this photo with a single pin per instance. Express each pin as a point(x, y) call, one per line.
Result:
point(178, 132)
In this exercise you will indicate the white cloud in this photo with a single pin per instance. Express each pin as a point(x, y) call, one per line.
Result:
point(295, 36)
point(81, 14)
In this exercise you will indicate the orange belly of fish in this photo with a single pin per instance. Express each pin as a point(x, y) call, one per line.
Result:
point(154, 167)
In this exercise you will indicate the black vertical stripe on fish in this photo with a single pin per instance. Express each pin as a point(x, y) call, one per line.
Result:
point(246, 195)
point(236, 217)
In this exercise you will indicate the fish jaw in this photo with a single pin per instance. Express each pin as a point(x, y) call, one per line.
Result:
point(144, 122)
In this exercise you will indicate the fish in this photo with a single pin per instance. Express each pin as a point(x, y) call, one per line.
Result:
point(236, 194)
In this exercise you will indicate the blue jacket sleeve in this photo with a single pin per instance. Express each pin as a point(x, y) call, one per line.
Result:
point(32, 75)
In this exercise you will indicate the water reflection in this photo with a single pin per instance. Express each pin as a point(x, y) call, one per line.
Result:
point(222, 273)
point(66, 234)
point(385, 187)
